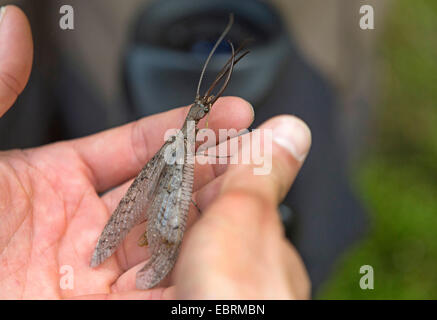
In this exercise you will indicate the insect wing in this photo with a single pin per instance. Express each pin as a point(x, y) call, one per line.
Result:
point(167, 218)
point(131, 210)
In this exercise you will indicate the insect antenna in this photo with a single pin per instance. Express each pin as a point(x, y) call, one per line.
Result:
point(225, 70)
point(230, 69)
point(225, 32)
point(226, 66)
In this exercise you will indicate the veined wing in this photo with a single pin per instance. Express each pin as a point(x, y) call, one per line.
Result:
point(167, 218)
point(131, 210)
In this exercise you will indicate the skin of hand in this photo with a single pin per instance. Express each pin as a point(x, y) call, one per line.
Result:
point(52, 209)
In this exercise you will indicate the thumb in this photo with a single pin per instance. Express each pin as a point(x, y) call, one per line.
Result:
point(237, 249)
point(16, 55)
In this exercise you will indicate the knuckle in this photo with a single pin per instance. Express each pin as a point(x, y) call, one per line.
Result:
point(246, 197)
point(10, 83)
point(245, 205)
point(139, 142)
point(280, 182)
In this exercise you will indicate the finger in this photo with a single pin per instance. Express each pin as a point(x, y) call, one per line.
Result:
point(130, 254)
point(16, 55)
point(132, 294)
point(203, 175)
point(278, 180)
point(290, 144)
point(118, 154)
point(283, 171)
point(243, 225)
point(296, 271)
point(127, 280)
point(205, 196)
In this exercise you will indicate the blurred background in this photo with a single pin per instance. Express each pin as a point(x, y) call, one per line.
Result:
point(365, 196)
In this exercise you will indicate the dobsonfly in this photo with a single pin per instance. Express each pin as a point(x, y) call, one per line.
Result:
point(161, 193)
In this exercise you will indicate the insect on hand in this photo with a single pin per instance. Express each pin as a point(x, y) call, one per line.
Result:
point(161, 193)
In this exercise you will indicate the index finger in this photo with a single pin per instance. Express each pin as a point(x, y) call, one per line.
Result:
point(241, 188)
point(237, 245)
point(115, 155)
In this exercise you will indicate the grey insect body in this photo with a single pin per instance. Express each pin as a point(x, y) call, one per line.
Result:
point(161, 193)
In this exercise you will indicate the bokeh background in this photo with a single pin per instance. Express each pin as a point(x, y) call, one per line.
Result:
point(396, 178)
point(383, 118)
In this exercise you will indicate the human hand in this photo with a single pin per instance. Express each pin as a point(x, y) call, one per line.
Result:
point(52, 214)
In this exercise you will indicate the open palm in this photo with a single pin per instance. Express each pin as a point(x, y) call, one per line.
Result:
point(52, 213)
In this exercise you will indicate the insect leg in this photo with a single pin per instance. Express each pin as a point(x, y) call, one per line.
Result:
point(197, 207)
point(142, 241)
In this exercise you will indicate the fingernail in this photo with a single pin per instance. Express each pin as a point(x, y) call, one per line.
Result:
point(2, 12)
point(294, 136)
point(251, 109)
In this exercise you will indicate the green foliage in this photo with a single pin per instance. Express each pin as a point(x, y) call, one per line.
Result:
point(398, 181)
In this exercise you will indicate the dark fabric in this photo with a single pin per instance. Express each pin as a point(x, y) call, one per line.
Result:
point(327, 218)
